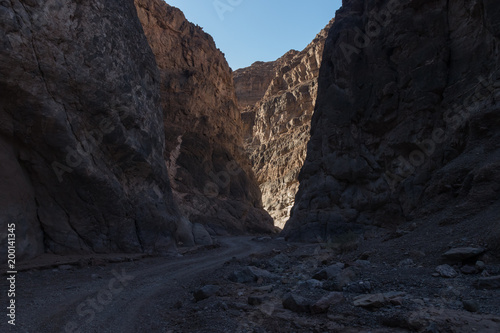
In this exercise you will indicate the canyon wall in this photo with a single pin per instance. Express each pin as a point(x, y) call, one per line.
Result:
point(406, 121)
point(277, 102)
point(81, 131)
point(209, 170)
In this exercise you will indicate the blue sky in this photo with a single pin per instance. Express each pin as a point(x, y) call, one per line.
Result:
point(258, 30)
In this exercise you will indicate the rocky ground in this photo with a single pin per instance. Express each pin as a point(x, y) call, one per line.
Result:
point(265, 284)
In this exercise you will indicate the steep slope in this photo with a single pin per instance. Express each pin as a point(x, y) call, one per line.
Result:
point(209, 170)
point(81, 135)
point(277, 126)
point(406, 122)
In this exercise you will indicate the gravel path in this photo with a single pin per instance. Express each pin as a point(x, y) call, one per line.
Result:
point(122, 297)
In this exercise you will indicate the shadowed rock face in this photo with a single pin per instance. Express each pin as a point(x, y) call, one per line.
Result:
point(210, 173)
point(406, 121)
point(277, 126)
point(81, 130)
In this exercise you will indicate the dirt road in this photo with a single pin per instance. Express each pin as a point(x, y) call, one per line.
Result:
point(124, 297)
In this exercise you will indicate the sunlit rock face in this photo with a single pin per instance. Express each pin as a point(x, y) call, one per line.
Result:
point(81, 131)
point(277, 102)
point(406, 121)
point(209, 170)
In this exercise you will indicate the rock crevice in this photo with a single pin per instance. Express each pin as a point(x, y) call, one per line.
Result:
point(277, 102)
point(210, 172)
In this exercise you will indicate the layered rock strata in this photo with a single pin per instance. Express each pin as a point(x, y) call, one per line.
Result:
point(406, 121)
point(277, 126)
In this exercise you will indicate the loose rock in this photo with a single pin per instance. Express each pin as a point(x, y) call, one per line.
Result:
point(446, 271)
point(491, 282)
point(206, 292)
point(463, 253)
point(297, 303)
point(329, 272)
point(322, 305)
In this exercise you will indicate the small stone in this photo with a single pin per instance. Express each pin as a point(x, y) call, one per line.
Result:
point(463, 253)
point(468, 269)
point(406, 263)
point(361, 287)
point(206, 292)
point(328, 272)
point(370, 301)
point(471, 306)
point(446, 271)
point(362, 263)
point(340, 280)
point(491, 282)
point(480, 265)
point(312, 283)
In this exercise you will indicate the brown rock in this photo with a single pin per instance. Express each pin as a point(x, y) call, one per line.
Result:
point(277, 102)
point(209, 170)
point(81, 141)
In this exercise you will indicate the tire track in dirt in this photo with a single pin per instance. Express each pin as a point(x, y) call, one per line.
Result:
point(126, 310)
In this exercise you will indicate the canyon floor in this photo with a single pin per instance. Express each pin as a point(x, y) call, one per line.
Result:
point(259, 284)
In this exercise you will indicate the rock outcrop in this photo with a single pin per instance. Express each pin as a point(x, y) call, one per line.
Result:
point(209, 170)
point(81, 131)
point(406, 121)
point(277, 126)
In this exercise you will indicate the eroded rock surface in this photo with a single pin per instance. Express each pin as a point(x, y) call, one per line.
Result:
point(277, 125)
point(81, 130)
point(209, 170)
point(406, 122)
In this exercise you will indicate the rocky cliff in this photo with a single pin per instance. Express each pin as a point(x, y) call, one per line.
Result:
point(277, 125)
point(405, 130)
point(209, 170)
point(81, 130)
